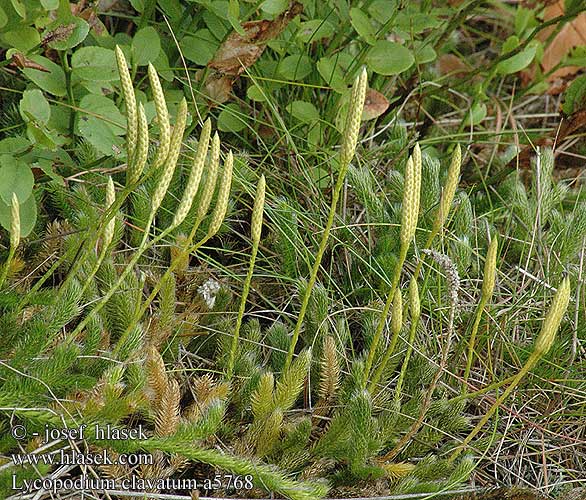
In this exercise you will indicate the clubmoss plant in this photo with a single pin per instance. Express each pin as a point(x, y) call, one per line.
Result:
point(414, 313)
point(446, 200)
point(350, 139)
point(255, 231)
point(542, 345)
point(396, 326)
point(410, 214)
point(488, 283)
point(130, 102)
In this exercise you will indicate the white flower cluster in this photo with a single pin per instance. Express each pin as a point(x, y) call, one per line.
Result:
point(208, 292)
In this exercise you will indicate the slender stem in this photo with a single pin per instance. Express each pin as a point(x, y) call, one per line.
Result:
point(316, 264)
point(6, 265)
point(245, 291)
point(530, 362)
point(412, 331)
point(472, 340)
point(488, 388)
point(383, 364)
point(384, 314)
point(430, 238)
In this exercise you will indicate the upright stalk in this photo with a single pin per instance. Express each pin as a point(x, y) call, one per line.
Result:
point(350, 140)
point(543, 343)
point(256, 227)
point(487, 289)
point(409, 216)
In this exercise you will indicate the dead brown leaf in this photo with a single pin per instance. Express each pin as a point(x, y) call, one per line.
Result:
point(19, 60)
point(572, 34)
point(239, 52)
point(450, 64)
point(375, 104)
point(217, 87)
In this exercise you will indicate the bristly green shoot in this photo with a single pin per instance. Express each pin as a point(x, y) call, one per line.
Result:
point(350, 139)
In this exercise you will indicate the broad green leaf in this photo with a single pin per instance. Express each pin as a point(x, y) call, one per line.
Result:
point(34, 107)
point(28, 215)
point(137, 5)
point(295, 67)
point(321, 177)
point(510, 43)
point(303, 111)
point(234, 17)
point(314, 135)
point(200, 47)
point(60, 120)
point(256, 94)
point(14, 145)
point(524, 20)
point(476, 114)
point(102, 124)
point(363, 25)
point(103, 109)
point(412, 21)
point(100, 135)
point(17, 177)
point(518, 61)
point(389, 58)
point(172, 9)
point(3, 18)
point(162, 66)
point(52, 81)
point(382, 10)
point(314, 30)
point(95, 63)
point(424, 52)
point(23, 39)
point(79, 31)
point(217, 27)
point(50, 4)
point(19, 7)
point(274, 7)
point(219, 8)
point(575, 98)
point(146, 45)
point(332, 74)
point(42, 135)
point(231, 119)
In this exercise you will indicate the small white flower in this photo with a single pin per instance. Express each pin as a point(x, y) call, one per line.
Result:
point(208, 292)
